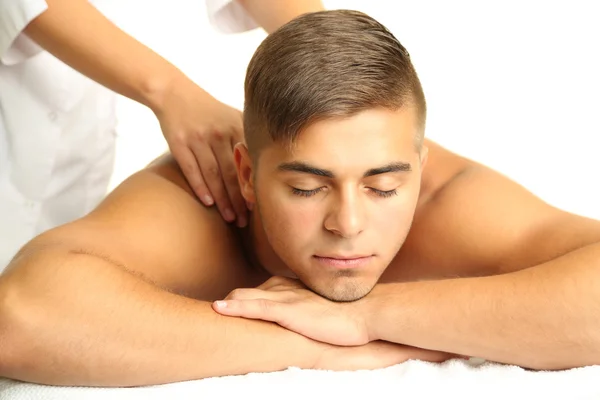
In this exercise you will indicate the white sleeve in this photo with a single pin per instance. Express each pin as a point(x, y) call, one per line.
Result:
point(15, 15)
point(227, 16)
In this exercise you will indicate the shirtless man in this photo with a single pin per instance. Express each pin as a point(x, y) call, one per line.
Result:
point(368, 245)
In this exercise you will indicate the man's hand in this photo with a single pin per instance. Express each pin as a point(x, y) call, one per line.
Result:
point(339, 326)
point(201, 133)
point(290, 304)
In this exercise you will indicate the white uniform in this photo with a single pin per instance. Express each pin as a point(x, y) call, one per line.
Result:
point(57, 128)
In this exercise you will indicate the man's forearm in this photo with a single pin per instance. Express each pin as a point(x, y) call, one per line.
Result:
point(79, 320)
point(544, 317)
point(75, 32)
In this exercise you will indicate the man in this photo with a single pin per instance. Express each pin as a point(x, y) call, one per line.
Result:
point(367, 244)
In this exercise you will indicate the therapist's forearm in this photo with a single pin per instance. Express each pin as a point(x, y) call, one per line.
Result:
point(75, 32)
point(272, 14)
point(76, 319)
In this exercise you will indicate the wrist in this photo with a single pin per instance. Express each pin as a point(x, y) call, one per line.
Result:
point(156, 88)
point(372, 311)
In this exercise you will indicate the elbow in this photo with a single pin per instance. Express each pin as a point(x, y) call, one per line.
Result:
point(19, 327)
point(3, 338)
point(18, 323)
point(9, 347)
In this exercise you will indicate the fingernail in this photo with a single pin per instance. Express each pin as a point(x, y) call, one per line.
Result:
point(208, 200)
point(242, 222)
point(229, 215)
point(221, 304)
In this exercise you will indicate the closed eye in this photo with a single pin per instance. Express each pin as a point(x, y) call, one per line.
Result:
point(312, 192)
point(384, 193)
point(306, 193)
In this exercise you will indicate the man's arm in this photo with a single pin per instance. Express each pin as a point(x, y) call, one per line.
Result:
point(271, 14)
point(540, 308)
point(99, 301)
point(76, 319)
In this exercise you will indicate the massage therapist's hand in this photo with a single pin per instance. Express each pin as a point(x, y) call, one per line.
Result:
point(201, 133)
point(290, 304)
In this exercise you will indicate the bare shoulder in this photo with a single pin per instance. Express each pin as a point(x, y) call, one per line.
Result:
point(472, 220)
point(154, 226)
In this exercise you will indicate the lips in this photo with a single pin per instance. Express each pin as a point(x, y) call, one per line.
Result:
point(342, 257)
point(344, 261)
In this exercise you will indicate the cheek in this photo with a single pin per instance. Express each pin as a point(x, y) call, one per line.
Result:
point(289, 223)
point(392, 219)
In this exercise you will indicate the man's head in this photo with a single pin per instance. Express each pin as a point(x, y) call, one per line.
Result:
point(334, 121)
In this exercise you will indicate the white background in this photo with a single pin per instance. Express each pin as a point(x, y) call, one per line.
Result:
point(513, 84)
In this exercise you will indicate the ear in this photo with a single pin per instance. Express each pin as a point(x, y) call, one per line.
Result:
point(424, 156)
point(243, 165)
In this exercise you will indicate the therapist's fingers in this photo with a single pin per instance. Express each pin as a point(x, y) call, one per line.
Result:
point(224, 154)
point(189, 166)
point(211, 172)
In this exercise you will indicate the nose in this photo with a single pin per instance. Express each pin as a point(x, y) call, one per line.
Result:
point(346, 217)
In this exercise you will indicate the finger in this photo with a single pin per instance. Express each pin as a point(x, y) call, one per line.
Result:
point(224, 155)
point(264, 309)
point(189, 166)
point(212, 176)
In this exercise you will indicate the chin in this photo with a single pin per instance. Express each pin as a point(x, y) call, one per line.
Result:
point(344, 289)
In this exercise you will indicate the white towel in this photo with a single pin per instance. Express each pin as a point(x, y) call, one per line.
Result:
point(455, 379)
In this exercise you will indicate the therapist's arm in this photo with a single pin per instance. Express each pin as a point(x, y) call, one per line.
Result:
point(76, 33)
point(199, 129)
point(271, 14)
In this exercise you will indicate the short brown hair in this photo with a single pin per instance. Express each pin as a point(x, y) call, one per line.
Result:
point(325, 64)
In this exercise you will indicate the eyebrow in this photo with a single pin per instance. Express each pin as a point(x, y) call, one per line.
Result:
point(298, 166)
point(392, 167)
